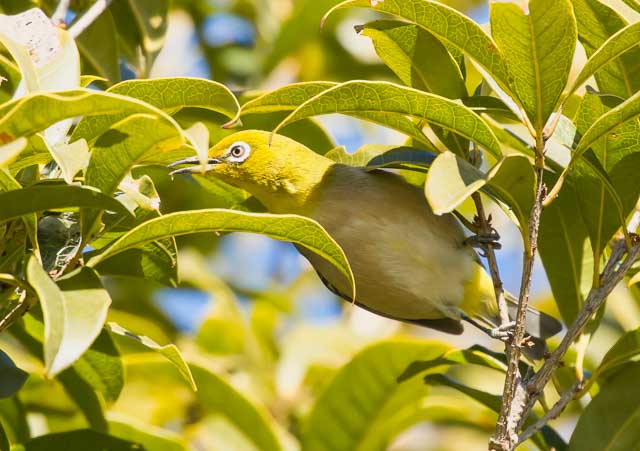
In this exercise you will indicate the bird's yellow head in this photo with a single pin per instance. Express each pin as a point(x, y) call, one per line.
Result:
point(279, 171)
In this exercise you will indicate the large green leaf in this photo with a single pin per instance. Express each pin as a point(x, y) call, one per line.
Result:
point(79, 440)
point(13, 417)
point(446, 24)
point(290, 97)
point(606, 123)
point(20, 202)
point(99, 48)
point(170, 351)
point(626, 348)
point(538, 49)
point(417, 57)
point(609, 53)
point(297, 229)
point(357, 408)
point(8, 183)
point(597, 22)
point(358, 97)
point(565, 251)
point(74, 313)
point(618, 153)
point(23, 116)
point(612, 420)
point(218, 396)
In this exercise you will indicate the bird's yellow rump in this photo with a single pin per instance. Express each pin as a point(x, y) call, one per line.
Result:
point(409, 264)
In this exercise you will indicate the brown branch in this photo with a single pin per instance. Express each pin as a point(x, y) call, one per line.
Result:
point(514, 396)
point(553, 413)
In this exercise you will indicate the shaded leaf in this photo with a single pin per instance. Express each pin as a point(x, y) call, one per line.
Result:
point(152, 438)
point(293, 228)
point(383, 97)
point(602, 427)
point(14, 420)
point(170, 351)
point(350, 415)
point(11, 377)
point(623, 350)
point(99, 48)
point(540, 58)
point(218, 396)
point(20, 202)
point(79, 440)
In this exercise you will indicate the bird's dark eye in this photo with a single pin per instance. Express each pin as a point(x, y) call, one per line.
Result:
point(238, 152)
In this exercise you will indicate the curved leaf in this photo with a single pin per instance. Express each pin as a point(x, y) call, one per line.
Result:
point(356, 408)
point(540, 59)
point(23, 117)
point(623, 350)
point(152, 438)
point(218, 396)
point(11, 377)
point(356, 97)
point(622, 41)
point(78, 440)
point(617, 403)
point(290, 97)
point(446, 24)
point(73, 314)
point(170, 352)
point(293, 228)
point(20, 202)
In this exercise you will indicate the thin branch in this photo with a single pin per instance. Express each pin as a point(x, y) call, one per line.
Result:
point(514, 396)
point(553, 413)
point(60, 14)
point(88, 17)
point(19, 309)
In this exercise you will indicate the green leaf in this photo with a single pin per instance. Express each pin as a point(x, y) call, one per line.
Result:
point(491, 401)
point(13, 417)
point(417, 57)
point(609, 53)
point(617, 155)
point(8, 184)
point(23, 116)
point(376, 156)
point(73, 318)
point(597, 22)
point(10, 151)
point(173, 94)
point(11, 377)
point(540, 59)
point(293, 228)
point(623, 350)
point(86, 398)
point(356, 410)
point(565, 251)
point(80, 440)
point(170, 351)
point(611, 421)
point(290, 97)
point(152, 438)
point(387, 98)
point(99, 48)
point(446, 24)
point(218, 396)
point(451, 180)
point(101, 367)
point(606, 123)
point(20, 202)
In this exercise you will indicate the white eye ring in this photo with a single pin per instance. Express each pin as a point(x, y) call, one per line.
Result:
point(238, 152)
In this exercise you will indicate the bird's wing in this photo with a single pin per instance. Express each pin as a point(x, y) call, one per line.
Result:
point(447, 325)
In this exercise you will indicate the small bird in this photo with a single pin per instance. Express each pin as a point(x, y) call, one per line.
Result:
point(408, 263)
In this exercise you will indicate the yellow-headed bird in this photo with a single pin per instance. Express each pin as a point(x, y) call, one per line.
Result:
point(408, 263)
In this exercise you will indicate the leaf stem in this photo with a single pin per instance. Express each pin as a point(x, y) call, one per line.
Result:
point(89, 16)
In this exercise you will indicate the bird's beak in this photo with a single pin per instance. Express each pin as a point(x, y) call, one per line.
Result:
point(196, 166)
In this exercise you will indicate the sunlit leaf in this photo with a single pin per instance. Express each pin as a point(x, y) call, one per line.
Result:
point(297, 229)
point(540, 58)
point(387, 98)
point(152, 438)
point(10, 151)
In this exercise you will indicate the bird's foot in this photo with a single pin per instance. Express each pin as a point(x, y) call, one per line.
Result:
point(504, 331)
point(482, 241)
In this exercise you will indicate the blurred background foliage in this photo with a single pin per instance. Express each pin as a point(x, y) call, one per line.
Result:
point(250, 309)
